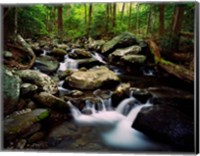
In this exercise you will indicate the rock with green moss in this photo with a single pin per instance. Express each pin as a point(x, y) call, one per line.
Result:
point(118, 53)
point(11, 90)
point(124, 40)
point(80, 53)
point(43, 81)
point(130, 58)
point(51, 101)
point(93, 78)
point(58, 52)
point(46, 64)
point(19, 123)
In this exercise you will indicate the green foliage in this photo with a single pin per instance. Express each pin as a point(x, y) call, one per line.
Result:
point(42, 19)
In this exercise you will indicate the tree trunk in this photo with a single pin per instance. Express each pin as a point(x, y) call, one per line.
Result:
point(85, 7)
point(107, 17)
point(89, 18)
point(138, 19)
point(60, 20)
point(176, 26)
point(114, 15)
point(5, 27)
point(15, 23)
point(28, 49)
point(172, 68)
point(161, 18)
point(129, 17)
point(149, 20)
point(122, 13)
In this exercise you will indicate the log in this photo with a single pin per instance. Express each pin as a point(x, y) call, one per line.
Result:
point(28, 49)
point(170, 67)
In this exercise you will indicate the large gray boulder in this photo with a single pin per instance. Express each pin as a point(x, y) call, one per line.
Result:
point(51, 101)
point(43, 81)
point(92, 78)
point(124, 40)
point(167, 124)
point(118, 53)
point(131, 58)
point(11, 90)
point(46, 64)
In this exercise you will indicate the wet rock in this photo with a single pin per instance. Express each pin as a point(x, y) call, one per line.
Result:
point(62, 46)
point(181, 100)
point(120, 93)
point(118, 53)
point(21, 144)
point(76, 93)
point(140, 94)
point(88, 62)
point(11, 90)
point(28, 88)
point(36, 48)
point(43, 81)
point(79, 54)
point(20, 122)
point(130, 58)
point(93, 78)
point(51, 101)
point(124, 40)
point(63, 74)
point(46, 64)
point(32, 105)
point(95, 45)
point(58, 52)
point(34, 128)
point(36, 137)
point(167, 124)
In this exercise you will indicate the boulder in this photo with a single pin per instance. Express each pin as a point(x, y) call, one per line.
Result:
point(27, 88)
point(46, 64)
point(130, 58)
point(58, 52)
point(118, 53)
point(19, 123)
point(51, 101)
point(11, 90)
point(166, 124)
point(43, 81)
point(93, 78)
point(95, 45)
point(79, 54)
point(124, 40)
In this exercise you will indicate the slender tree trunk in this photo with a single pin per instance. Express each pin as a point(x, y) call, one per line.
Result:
point(107, 17)
point(161, 18)
point(15, 23)
point(85, 7)
point(89, 18)
point(68, 10)
point(176, 26)
point(5, 27)
point(114, 15)
point(60, 20)
point(138, 19)
point(122, 13)
point(149, 20)
point(129, 17)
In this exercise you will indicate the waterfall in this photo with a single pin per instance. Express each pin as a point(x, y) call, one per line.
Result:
point(98, 57)
point(68, 64)
point(115, 128)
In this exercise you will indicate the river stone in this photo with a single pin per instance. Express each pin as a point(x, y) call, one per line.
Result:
point(95, 45)
point(43, 81)
point(7, 54)
point(28, 88)
point(51, 101)
point(11, 90)
point(20, 122)
point(62, 46)
point(93, 78)
point(58, 52)
point(79, 54)
point(167, 124)
point(124, 40)
point(46, 64)
point(130, 58)
point(118, 53)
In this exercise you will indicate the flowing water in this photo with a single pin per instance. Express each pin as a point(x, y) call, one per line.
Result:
point(68, 63)
point(114, 127)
